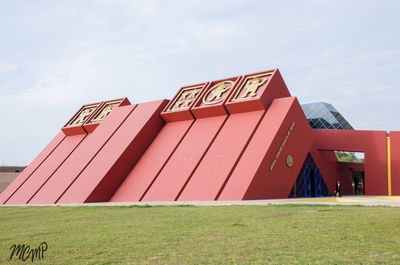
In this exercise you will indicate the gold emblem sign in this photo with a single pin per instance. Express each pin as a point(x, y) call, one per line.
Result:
point(289, 161)
point(250, 87)
point(185, 98)
point(216, 94)
point(105, 110)
point(82, 116)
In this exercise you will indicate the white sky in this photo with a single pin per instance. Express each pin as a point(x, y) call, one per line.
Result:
point(58, 55)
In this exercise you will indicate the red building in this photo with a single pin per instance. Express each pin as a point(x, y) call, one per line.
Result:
point(239, 138)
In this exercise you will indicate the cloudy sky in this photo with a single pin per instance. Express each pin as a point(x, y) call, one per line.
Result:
point(58, 55)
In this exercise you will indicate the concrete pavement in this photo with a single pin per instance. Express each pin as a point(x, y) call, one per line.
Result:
point(393, 201)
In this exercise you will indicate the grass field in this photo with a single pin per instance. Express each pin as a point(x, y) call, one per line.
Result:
point(278, 234)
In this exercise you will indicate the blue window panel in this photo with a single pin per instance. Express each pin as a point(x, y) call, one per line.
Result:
point(322, 115)
point(304, 182)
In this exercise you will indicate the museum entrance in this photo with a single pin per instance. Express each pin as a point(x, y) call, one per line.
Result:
point(358, 181)
point(348, 174)
point(351, 174)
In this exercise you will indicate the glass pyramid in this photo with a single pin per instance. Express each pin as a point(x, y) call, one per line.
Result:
point(322, 115)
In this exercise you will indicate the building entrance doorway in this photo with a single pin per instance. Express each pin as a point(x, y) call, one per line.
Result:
point(358, 181)
point(351, 174)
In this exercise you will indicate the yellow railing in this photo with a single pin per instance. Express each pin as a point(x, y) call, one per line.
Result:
point(389, 167)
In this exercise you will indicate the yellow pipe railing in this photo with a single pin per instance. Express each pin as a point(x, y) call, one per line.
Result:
point(389, 167)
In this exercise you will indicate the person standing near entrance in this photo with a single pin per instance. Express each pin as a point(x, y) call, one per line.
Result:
point(338, 189)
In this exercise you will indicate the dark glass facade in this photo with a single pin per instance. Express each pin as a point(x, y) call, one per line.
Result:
point(322, 115)
point(309, 183)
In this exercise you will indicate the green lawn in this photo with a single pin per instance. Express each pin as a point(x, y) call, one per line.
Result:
point(279, 234)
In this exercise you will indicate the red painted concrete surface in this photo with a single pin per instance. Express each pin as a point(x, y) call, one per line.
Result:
point(31, 168)
point(183, 162)
point(327, 167)
point(81, 157)
point(110, 166)
point(372, 143)
point(152, 162)
point(237, 138)
point(220, 159)
point(395, 164)
point(252, 177)
point(46, 170)
point(179, 119)
point(345, 173)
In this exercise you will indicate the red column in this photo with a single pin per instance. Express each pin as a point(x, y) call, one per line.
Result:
point(395, 162)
